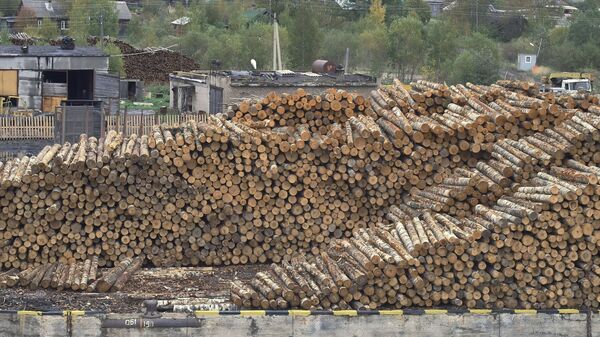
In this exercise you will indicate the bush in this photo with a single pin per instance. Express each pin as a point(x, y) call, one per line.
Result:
point(479, 62)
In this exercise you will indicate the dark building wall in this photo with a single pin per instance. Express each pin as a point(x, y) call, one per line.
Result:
point(23, 147)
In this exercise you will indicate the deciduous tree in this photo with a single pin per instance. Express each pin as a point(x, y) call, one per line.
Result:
point(93, 17)
point(406, 46)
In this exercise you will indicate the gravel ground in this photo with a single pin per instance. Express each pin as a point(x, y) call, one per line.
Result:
point(195, 285)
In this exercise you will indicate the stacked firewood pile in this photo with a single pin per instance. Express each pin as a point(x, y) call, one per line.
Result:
point(534, 245)
point(211, 193)
point(77, 276)
point(21, 39)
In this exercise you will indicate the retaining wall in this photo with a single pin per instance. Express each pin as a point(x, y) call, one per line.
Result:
point(300, 323)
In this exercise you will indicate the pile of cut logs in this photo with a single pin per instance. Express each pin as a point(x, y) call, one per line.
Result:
point(530, 243)
point(289, 174)
point(82, 276)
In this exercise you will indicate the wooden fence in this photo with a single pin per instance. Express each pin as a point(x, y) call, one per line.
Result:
point(143, 124)
point(42, 127)
point(26, 127)
point(6, 156)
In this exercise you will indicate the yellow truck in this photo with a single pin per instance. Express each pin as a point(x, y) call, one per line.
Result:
point(567, 82)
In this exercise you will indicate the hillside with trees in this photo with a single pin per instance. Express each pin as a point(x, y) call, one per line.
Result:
point(470, 41)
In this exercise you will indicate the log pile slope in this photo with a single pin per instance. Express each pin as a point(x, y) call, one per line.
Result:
point(533, 243)
point(287, 174)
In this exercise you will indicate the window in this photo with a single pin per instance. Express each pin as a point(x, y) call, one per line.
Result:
point(63, 25)
point(39, 22)
point(527, 59)
point(581, 86)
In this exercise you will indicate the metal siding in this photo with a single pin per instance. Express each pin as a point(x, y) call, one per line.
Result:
point(123, 88)
point(216, 100)
point(54, 89)
point(74, 121)
point(139, 94)
point(106, 89)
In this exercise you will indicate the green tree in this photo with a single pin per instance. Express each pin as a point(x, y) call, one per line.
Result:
point(589, 5)
point(225, 14)
point(46, 31)
point(9, 7)
point(93, 17)
point(376, 12)
point(468, 15)
point(223, 46)
point(372, 36)
point(478, 62)
point(420, 8)
point(575, 48)
point(442, 47)
point(406, 46)
point(4, 36)
point(585, 28)
point(116, 65)
point(257, 43)
point(305, 37)
point(336, 41)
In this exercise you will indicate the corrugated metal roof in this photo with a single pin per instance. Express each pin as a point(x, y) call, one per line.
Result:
point(56, 10)
point(182, 21)
point(45, 9)
point(15, 51)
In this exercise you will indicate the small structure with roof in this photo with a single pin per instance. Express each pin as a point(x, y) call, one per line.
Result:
point(180, 25)
point(124, 16)
point(526, 61)
point(437, 7)
point(42, 78)
point(211, 91)
point(41, 10)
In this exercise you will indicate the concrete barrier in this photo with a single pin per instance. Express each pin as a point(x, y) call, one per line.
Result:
point(257, 323)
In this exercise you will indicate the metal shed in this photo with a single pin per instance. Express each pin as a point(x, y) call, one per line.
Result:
point(526, 62)
point(41, 78)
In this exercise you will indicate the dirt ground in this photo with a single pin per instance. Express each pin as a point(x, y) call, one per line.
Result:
point(203, 286)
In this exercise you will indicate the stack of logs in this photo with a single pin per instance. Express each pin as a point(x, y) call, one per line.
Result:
point(287, 174)
point(78, 276)
point(533, 245)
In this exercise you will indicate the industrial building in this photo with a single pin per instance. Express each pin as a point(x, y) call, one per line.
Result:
point(41, 78)
point(211, 91)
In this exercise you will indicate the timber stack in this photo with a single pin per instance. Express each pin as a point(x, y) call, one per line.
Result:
point(77, 276)
point(290, 173)
point(535, 245)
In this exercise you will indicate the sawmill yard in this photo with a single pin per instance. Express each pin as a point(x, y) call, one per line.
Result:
point(466, 196)
point(179, 289)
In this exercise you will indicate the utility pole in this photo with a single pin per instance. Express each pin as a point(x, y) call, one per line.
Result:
point(346, 61)
point(274, 43)
point(279, 62)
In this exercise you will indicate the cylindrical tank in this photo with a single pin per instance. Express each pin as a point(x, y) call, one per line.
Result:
point(323, 66)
